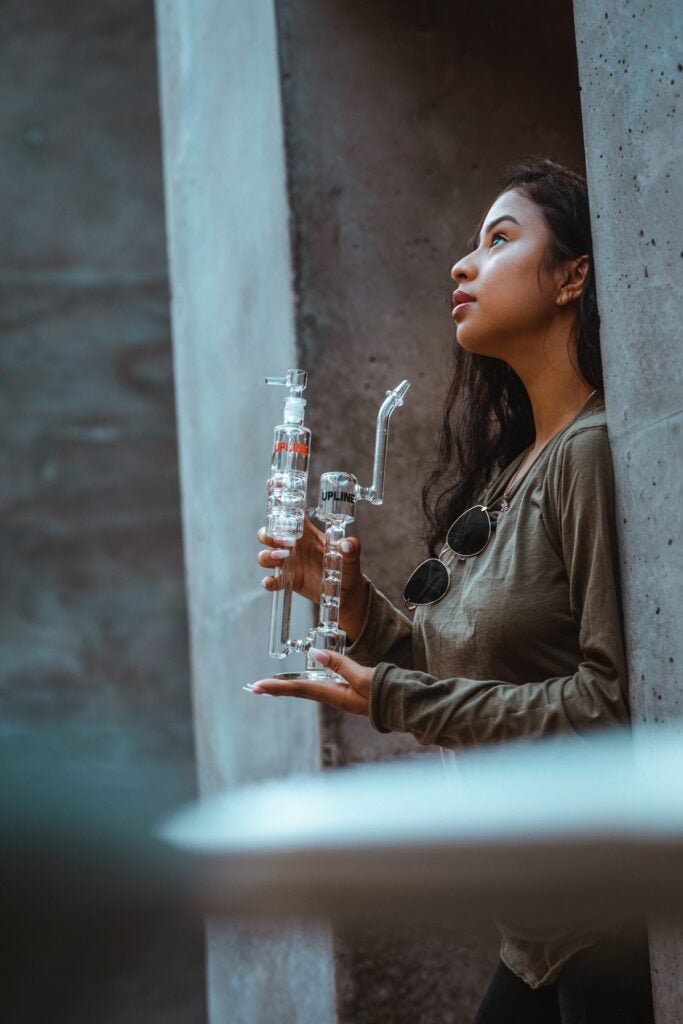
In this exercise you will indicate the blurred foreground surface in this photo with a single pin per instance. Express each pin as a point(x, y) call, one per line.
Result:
point(93, 907)
point(92, 879)
point(561, 825)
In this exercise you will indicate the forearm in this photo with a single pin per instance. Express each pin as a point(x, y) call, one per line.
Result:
point(456, 712)
point(385, 633)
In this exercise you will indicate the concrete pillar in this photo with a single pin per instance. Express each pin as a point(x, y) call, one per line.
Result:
point(630, 73)
point(232, 315)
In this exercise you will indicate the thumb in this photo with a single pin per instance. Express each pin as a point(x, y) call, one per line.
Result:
point(350, 549)
point(340, 663)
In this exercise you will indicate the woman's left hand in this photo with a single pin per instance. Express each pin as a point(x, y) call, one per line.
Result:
point(352, 695)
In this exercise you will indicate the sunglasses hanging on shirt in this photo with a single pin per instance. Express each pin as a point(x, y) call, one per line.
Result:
point(468, 536)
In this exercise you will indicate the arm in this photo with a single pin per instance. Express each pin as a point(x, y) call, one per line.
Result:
point(386, 633)
point(579, 520)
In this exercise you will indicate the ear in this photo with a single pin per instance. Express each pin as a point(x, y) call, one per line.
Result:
point(572, 280)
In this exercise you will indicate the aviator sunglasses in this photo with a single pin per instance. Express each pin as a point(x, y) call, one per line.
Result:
point(468, 536)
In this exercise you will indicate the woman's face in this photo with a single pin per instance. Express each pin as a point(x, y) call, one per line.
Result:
point(513, 301)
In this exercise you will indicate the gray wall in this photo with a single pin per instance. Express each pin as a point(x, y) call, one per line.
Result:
point(629, 57)
point(93, 624)
point(399, 120)
point(233, 322)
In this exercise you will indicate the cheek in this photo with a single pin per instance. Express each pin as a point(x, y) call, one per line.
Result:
point(513, 289)
point(512, 303)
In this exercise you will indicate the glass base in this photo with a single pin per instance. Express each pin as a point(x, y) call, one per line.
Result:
point(314, 675)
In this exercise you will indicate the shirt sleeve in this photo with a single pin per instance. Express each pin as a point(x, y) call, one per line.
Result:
point(386, 634)
point(578, 516)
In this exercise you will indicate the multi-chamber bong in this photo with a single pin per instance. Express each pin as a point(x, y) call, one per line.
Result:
point(339, 494)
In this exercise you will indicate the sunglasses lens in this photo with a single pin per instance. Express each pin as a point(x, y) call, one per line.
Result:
point(428, 583)
point(470, 532)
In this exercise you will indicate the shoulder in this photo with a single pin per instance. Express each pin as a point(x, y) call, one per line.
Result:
point(580, 473)
point(583, 447)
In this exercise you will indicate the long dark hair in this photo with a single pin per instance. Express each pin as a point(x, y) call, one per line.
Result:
point(487, 418)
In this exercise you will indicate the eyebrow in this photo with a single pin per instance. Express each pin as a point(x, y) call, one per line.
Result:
point(505, 216)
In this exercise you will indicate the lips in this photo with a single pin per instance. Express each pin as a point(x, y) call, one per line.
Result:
point(461, 296)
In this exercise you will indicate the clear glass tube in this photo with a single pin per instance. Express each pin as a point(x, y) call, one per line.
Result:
point(285, 516)
point(330, 591)
point(281, 610)
point(327, 636)
point(375, 492)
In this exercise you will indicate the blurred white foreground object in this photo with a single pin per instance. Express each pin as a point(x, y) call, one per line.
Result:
point(595, 823)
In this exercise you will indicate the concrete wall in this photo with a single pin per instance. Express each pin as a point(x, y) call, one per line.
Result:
point(631, 78)
point(399, 120)
point(233, 322)
point(93, 625)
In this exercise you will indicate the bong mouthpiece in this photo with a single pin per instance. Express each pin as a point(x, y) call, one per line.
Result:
point(375, 492)
point(397, 395)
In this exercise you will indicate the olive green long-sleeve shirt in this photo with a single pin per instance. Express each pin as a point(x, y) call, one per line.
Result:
point(527, 642)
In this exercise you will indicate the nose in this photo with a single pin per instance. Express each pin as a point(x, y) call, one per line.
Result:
point(463, 270)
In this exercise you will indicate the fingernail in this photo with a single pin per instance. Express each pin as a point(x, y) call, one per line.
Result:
point(323, 657)
point(280, 553)
point(347, 547)
point(264, 582)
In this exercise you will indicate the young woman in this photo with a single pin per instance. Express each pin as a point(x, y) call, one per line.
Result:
point(517, 632)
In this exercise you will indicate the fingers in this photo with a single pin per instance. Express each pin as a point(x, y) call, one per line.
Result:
point(350, 548)
point(336, 695)
point(263, 537)
point(273, 558)
point(352, 576)
point(357, 675)
point(352, 695)
point(294, 688)
point(338, 663)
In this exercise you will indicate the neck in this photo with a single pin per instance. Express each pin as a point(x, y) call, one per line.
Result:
point(555, 404)
point(556, 390)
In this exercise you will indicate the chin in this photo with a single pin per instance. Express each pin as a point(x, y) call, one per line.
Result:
point(477, 346)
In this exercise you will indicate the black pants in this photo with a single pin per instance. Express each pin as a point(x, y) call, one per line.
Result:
point(609, 983)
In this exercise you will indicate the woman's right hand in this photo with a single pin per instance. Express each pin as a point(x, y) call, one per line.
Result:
point(307, 567)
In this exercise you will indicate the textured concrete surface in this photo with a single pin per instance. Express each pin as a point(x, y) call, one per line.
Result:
point(382, 206)
point(399, 120)
point(233, 322)
point(631, 77)
point(93, 623)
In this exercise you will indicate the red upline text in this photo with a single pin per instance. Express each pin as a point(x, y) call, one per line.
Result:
point(298, 449)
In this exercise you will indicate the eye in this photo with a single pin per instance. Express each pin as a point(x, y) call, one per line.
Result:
point(497, 235)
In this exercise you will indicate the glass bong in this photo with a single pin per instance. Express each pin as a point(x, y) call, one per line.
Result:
point(339, 493)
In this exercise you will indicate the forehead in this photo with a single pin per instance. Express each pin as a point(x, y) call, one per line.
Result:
point(517, 205)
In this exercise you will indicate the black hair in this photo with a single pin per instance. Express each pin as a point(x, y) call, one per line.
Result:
point(487, 418)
